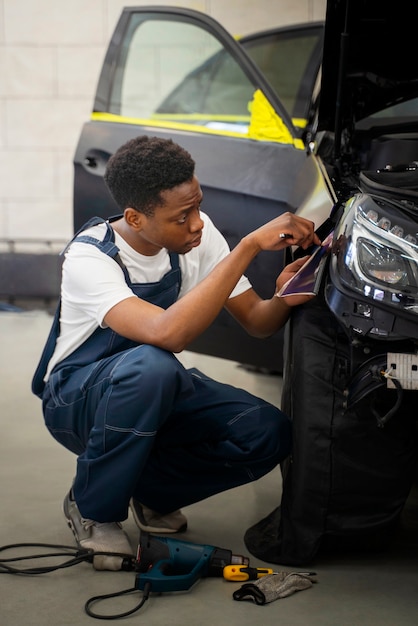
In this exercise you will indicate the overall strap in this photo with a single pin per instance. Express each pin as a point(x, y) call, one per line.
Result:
point(107, 245)
point(38, 384)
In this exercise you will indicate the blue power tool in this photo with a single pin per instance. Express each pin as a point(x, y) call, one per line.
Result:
point(173, 565)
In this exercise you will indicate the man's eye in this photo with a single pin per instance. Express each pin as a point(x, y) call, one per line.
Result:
point(182, 219)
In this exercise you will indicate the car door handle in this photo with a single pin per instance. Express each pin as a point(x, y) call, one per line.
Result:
point(90, 161)
point(95, 161)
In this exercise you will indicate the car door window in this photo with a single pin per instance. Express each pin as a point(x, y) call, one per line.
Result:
point(172, 70)
point(175, 70)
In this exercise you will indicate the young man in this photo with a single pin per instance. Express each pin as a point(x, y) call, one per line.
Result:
point(150, 435)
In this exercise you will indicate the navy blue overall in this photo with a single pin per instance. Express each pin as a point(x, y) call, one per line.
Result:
point(145, 427)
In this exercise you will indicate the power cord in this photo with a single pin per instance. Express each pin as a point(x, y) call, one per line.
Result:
point(145, 595)
point(77, 555)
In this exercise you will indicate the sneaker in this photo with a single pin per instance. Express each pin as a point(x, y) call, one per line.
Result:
point(150, 521)
point(98, 537)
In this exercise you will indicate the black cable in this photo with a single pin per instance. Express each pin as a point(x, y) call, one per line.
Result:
point(79, 555)
point(145, 596)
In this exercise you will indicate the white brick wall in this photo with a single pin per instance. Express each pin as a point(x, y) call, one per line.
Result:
point(50, 56)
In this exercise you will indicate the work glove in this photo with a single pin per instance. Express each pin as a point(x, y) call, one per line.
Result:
point(275, 586)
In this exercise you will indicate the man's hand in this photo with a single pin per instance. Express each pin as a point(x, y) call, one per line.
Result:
point(284, 231)
point(288, 272)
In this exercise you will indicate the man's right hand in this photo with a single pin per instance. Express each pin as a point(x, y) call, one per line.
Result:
point(297, 231)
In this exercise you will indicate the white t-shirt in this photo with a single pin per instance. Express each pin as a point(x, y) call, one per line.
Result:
point(93, 283)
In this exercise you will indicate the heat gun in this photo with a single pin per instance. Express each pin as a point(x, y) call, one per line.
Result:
point(173, 565)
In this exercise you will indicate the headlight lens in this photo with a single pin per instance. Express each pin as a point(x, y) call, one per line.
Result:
point(382, 264)
point(377, 251)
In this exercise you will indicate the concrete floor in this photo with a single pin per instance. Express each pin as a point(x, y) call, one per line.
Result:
point(36, 473)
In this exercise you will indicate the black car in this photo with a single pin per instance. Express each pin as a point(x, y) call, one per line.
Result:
point(271, 120)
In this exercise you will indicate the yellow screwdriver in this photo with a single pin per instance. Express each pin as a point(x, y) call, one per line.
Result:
point(238, 573)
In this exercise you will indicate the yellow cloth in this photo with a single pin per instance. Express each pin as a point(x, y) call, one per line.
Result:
point(265, 124)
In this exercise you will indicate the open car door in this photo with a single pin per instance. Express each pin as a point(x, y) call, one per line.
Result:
point(176, 73)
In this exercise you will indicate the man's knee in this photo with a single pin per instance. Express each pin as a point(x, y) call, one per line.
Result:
point(148, 365)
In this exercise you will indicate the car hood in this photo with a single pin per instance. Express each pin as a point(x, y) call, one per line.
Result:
point(369, 60)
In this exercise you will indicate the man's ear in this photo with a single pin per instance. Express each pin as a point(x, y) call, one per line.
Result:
point(134, 218)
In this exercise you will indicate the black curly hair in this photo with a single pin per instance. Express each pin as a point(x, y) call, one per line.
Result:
point(142, 168)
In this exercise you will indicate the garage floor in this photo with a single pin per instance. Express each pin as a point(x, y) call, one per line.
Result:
point(36, 473)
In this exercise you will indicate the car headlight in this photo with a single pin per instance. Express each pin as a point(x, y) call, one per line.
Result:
point(382, 264)
point(377, 251)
